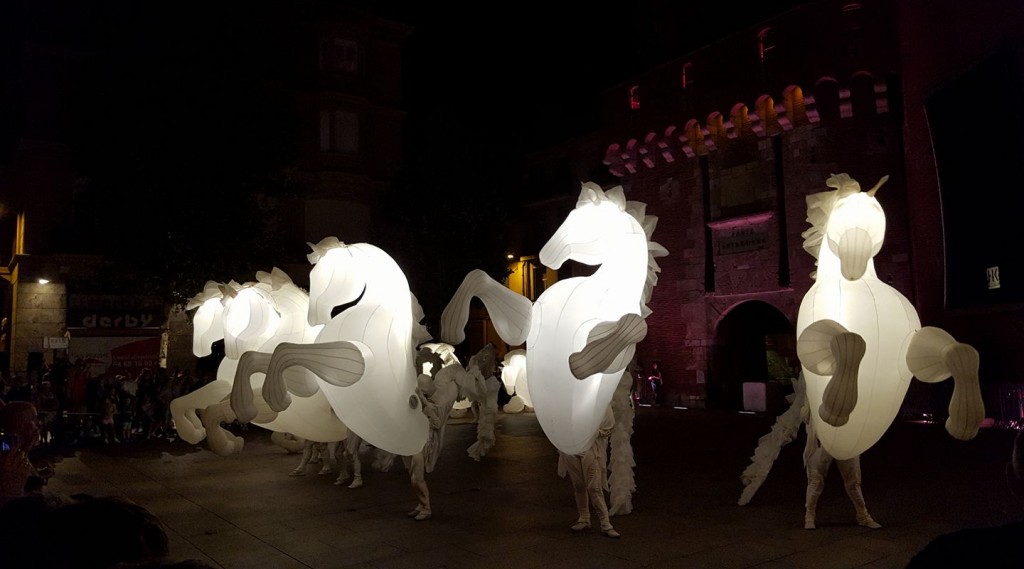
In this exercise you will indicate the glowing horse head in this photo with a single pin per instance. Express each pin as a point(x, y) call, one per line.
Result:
point(859, 340)
point(594, 230)
point(849, 223)
point(339, 277)
point(207, 322)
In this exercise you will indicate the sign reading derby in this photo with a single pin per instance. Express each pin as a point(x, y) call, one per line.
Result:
point(113, 312)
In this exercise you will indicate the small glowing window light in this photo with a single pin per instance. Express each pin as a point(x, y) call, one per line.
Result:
point(510, 256)
point(765, 43)
point(634, 97)
point(44, 281)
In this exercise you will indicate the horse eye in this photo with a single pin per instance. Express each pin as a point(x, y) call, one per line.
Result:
point(343, 307)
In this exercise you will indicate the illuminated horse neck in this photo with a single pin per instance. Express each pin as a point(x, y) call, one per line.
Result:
point(292, 304)
point(859, 340)
point(364, 356)
point(581, 332)
point(250, 319)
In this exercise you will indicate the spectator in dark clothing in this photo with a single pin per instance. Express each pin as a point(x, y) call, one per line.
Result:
point(21, 389)
point(93, 533)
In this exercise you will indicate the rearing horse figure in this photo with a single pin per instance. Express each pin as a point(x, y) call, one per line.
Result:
point(860, 341)
point(362, 359)
point(582, 331)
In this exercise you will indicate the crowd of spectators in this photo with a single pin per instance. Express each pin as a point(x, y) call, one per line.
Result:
point(118, 405)
point(94, 532)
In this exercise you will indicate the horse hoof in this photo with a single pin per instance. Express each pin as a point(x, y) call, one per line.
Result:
point(424, 515)
point(340, 481)
point(357, 483)
point(297, 472)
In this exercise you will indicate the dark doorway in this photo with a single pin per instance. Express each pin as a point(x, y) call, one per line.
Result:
point(754, 342)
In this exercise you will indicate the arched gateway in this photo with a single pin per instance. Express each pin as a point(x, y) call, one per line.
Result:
point(754, 342)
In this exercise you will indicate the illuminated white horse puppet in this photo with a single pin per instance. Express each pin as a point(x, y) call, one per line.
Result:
point(581, 332)
point(256, 317)
point(860, 342)
point(364, 357)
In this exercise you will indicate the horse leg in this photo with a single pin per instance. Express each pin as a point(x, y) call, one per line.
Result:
point(509, 311)
point(610, 346)
point(828, 348)
point(242, 397)
point(183, 409)
point(340, 363)
point(220, 440)
point(850, 469)
point(934, 355)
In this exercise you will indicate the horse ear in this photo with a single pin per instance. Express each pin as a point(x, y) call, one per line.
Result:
point(882, 181)
point(229, 290)
point(321, 248)
point(279, 278)
point(590, 193)
point(617, 196)
point(316, 254)
point(263, 277)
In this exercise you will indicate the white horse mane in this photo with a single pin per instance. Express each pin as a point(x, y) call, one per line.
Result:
point(211, 290)
point(321, 248)
point(592, 193)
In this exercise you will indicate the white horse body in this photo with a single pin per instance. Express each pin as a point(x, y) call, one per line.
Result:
point(570, 409)
point(893, 320)
point(363, 358)
point(581, 332)
point(860, 341)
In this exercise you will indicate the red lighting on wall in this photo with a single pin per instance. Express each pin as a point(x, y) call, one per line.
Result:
point(686, 76)
point(634, 97)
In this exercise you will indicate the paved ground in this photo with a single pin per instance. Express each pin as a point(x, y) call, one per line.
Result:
point(511, 510)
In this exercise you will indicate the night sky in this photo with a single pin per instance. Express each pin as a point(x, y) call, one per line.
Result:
point(533, 70)
point(526, 72)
